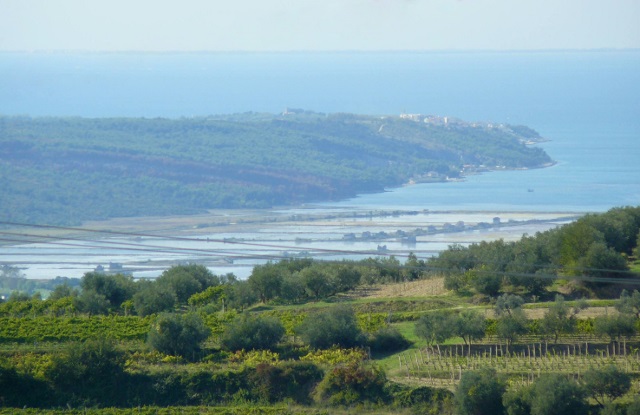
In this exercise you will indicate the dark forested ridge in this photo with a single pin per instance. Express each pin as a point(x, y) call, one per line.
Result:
point(66, 170)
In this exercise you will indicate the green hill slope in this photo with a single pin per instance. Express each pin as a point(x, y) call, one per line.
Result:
point(66, 170)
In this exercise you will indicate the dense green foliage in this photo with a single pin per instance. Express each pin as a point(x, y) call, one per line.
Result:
point(88, 373)
point(440, 326)
point(352, 384)
point(178, 335)
point(18, 390)
point(242, 409)
point(334, 327)
point(62, 329)
point(560, 319)
point(592, 251)
point(252, 332)
point(66, 170)
point(554, 394)
point(606, 384)
point(388, 340)
point(194, 286)
point(435, 327)
point(480, 393)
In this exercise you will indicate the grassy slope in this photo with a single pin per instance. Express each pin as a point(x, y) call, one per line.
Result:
point(421, 295)
point(426, 296)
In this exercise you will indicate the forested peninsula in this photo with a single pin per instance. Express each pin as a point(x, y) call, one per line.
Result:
point(67, 170)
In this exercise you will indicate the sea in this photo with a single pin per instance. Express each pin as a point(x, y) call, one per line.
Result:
point(585, 103)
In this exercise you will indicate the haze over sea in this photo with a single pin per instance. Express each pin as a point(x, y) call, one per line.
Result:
point(586, 102)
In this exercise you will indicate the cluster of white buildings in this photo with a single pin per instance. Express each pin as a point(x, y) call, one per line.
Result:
point(446, 121)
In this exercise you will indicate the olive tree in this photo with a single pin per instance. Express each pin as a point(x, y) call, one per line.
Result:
point(629, 303)
point(469, 325)
point(512, 321)
point(615, 327)
point(479, 393)
point(560, 318)
point(115, 288)
point(177, 335)
point(153, 298)
point(336, 326)
point(266, 280)
point(551, 394)
point(554, 394)
point(186, 280)
point(252, 333)
point(435, 327)
point(606, 384)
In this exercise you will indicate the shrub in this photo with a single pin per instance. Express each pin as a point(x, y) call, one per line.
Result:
point(186, 280)
point(518, 401)
point(334, 356)
point(153, 298)
point(178, 335)
point(480, 392)
point(20, 390)
point(252, 333)
point(425, 400)
point(388, 340)
point(551, 394)
point(615, 327)
point(351, 384)
point(89, 372)
point(634, 407)
point(606, 384)
point(335, 327)
point(292, 380)
point(554, 394)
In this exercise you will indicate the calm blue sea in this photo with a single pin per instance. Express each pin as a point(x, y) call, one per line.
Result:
point(586, 103)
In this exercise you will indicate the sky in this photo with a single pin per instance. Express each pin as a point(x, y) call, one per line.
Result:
point(317, 25)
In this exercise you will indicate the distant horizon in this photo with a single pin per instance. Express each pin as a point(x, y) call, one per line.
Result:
point(178, 84)
point(315, 51)
point(331, 25)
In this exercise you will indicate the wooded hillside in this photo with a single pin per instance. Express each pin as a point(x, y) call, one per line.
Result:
point(66, 170)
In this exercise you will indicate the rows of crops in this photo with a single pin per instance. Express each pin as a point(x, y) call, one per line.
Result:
point(60, 329)
point(444, 366)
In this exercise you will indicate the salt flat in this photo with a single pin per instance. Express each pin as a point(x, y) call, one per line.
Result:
point(236, 240)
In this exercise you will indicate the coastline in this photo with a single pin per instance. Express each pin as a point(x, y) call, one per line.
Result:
point(474, 171)
point(235, 241)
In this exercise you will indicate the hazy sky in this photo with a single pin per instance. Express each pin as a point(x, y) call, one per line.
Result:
point(284, 25)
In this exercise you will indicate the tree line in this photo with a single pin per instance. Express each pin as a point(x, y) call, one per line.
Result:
point(288, 281)
point(593, 253)
point(486, 392)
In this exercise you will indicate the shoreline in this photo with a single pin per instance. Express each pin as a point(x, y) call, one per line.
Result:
point(232, 241)
point(474, 171)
